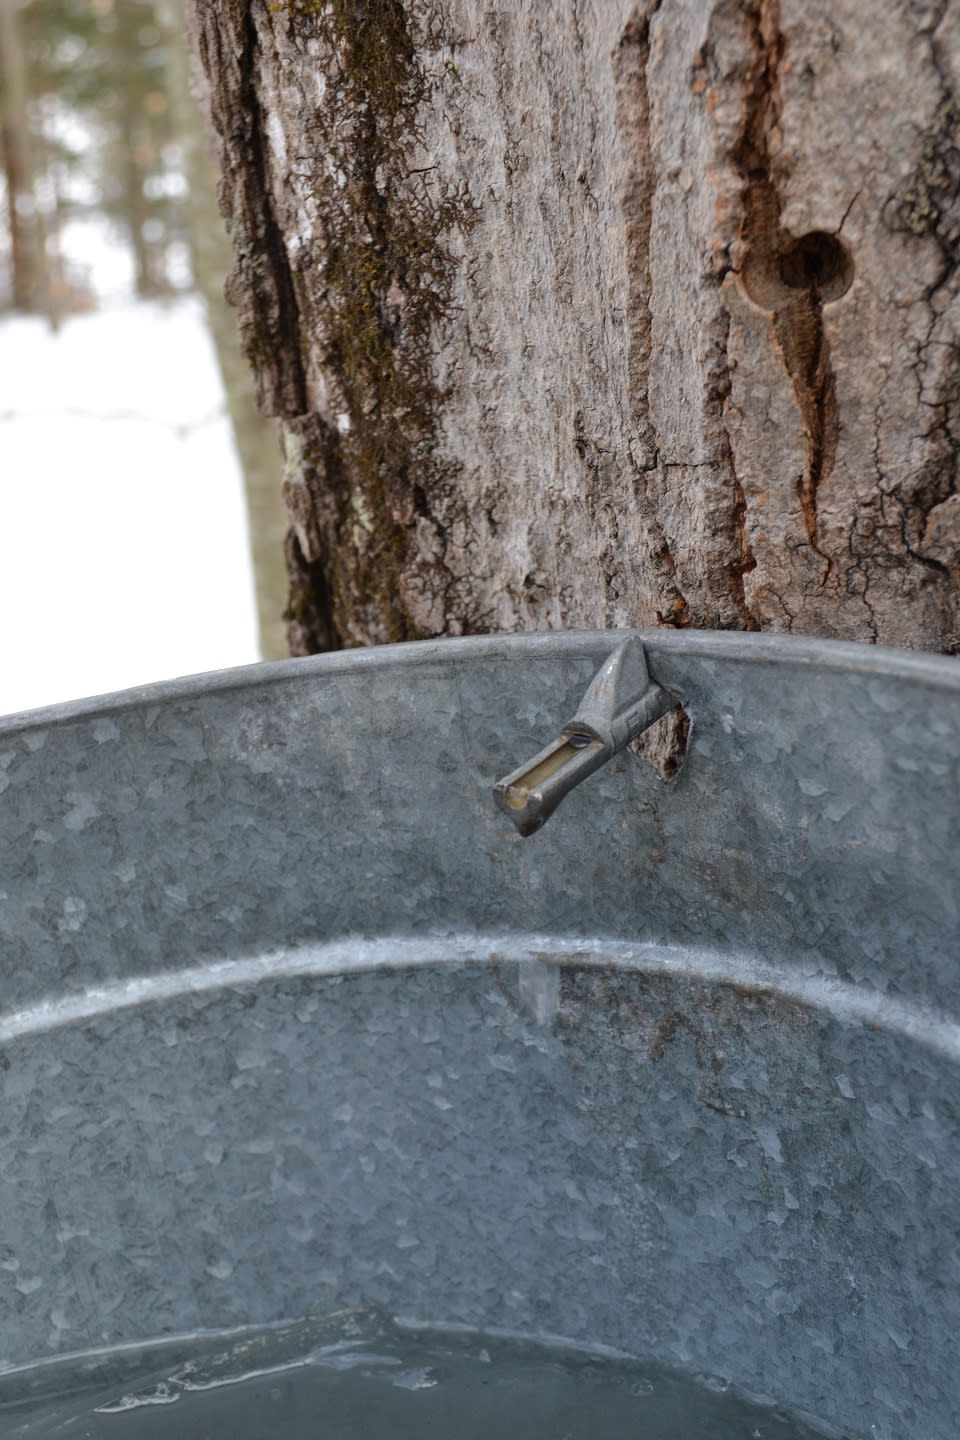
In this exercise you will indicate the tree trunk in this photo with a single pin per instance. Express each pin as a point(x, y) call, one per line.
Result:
point(254, 436)
point(597, 312)
point(21, 278)
point(134, 203)
point(27, 267)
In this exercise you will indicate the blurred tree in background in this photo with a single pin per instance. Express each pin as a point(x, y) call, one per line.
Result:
point(26, 242)
point(87, 130)
point(99, 125)
point(138, 175)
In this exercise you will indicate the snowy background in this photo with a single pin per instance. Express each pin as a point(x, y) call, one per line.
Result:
point(123, 547)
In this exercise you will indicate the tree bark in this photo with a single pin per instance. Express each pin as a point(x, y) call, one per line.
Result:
point(598, 312)
point(210, 255)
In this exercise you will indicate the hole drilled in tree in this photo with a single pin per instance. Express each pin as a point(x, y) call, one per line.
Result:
point(817, 262)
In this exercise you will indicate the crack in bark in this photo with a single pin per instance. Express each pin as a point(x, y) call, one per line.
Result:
point(797, 323)
point(799, 337)
point(927, 205)
point(633, 106)
point(260, 286)
point(311, 627)
point(745, 561)
point(278, 301)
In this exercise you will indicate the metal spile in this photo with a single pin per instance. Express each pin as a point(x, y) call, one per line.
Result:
point(621, 702)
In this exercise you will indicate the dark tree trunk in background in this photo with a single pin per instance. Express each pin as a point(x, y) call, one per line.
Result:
point(25, 234)
point(21, 277)
point(148, 276)
point(596, 312)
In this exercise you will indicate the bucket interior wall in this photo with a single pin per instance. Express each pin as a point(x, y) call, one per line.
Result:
point(290, 1017)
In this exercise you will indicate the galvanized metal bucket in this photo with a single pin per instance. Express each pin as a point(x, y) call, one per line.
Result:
point(291, 1016)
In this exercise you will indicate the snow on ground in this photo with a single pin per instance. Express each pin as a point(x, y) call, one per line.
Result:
point(123, 542)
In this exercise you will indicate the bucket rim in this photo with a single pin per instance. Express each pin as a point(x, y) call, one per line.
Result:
point(930, 669)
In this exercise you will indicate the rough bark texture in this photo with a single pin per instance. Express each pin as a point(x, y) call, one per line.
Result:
point(593, 312)
point(211, 258)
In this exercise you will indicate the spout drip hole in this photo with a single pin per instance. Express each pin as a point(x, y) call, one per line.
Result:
point(817, 262)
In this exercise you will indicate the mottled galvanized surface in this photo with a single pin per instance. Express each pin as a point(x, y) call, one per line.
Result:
point(281, 1022)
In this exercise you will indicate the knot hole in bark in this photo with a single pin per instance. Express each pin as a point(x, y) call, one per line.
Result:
point(818, 263)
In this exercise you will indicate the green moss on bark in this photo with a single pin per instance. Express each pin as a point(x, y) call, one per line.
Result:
point(384, 272)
